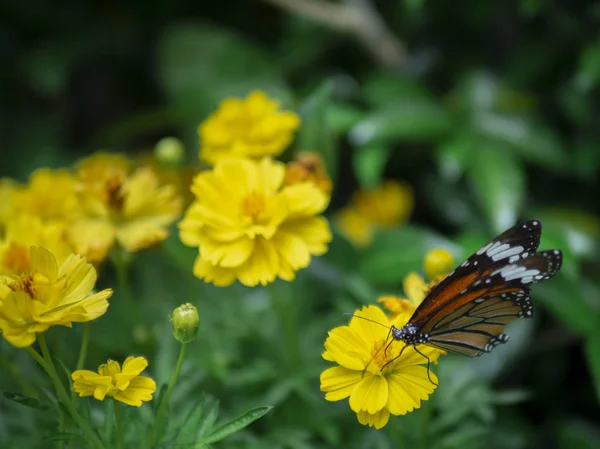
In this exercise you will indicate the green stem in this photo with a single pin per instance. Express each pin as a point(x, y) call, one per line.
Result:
point(85, 341)
point(122, 269)
point(165, 400)
point(119, 423)
point(48, 365)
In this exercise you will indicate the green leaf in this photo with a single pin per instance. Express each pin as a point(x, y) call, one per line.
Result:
point(416, 120)
point(341, 116)
point(394, 254)
point(237, 424)
point(199, 421)
point(528, 139)
point(66, 436)
point(498, 180)
point(454, 156)
point(384, 88)
point(369, 163)
point(592, 352)
point(199, 64)
point(315, 133)
point(578, 435)
point(569, 302)
point(27, 401)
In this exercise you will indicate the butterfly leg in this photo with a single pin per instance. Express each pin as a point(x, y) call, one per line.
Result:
point(428, 366)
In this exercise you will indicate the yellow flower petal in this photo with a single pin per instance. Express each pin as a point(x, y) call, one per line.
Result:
point(407, 388)
point(415, 288)
point(377, 420)
point(339, 382)
point(370, 394)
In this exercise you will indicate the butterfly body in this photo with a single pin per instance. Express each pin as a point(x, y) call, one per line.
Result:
point(467, 311)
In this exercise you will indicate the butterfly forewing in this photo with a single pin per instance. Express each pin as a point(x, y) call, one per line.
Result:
point(467, 311)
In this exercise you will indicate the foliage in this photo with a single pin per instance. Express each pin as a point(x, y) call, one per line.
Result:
point(490, 116)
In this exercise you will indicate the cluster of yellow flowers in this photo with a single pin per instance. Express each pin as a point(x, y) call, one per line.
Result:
point(61, 225)
point(255, 219)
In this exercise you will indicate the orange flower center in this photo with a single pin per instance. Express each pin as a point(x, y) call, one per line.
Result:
point(16, 258)
point(253, 205)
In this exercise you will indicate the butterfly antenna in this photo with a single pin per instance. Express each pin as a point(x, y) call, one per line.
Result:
point(428, 365)
point(367, 319)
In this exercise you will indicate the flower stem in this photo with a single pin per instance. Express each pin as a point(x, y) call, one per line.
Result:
point(426, 414)
point(122, 269)
point(48, 365)
point(165, 400)
point(119, 423)
point(85, 341)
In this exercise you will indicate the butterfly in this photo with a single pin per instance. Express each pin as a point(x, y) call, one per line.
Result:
point(466, 312)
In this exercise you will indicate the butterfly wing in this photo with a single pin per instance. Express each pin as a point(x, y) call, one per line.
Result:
point(467, 311)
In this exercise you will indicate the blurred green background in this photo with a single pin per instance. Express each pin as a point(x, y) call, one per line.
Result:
point(489, 110)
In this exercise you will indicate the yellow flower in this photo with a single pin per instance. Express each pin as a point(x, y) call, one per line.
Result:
point(385, 207)
point(7, 189)
point(49, 195)
point(309, 167)
point(438, 262)
point(354, 226)
point(380, 380)
point(124, 385)
point(253, 127)
point(48, 295)
point(24, 231)
point(132, 209)
point(249, 226)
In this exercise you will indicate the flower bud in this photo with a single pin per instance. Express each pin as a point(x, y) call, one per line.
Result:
point(169, 151)
point(438, 262)
point(185, 323)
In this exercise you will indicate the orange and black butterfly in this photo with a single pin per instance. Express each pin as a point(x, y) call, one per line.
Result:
point(467, 311)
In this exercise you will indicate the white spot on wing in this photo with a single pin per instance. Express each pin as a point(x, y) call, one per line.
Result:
point(499, 255)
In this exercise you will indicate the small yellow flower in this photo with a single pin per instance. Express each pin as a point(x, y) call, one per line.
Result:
point(49, 195)
point(380, 380)
point(309, 167)
point(7, 189)
point(124, 385)
point(253, 127)
point(130, 208)
point(48, 295)
point(438, 262)
point(385, 207)
point(354, 226)
point(24, 231)
point(250, 227)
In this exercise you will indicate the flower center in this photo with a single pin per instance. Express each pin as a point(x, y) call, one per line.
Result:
point(383, 353)
point(24, 284)
point(16, 258)
point(253, 205)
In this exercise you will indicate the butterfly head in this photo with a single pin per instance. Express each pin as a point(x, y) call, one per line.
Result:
point(409, 334)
